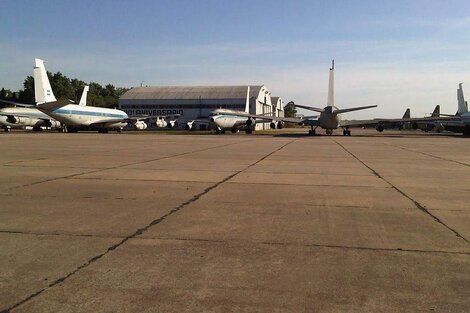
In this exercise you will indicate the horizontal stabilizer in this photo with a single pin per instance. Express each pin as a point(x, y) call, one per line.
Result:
point(308, 108)
point(50, 106)
point(354, 109)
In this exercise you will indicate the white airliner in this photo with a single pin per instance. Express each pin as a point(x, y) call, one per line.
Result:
point(77, 116)
point(22, 116)
point(235, 120)
point(329, 119)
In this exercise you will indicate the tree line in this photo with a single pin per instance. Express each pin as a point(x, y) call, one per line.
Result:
point(66, 88)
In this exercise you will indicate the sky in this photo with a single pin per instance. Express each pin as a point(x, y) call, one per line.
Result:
point(395, 54)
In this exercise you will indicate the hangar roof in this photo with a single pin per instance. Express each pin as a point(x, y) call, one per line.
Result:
point(191, 92)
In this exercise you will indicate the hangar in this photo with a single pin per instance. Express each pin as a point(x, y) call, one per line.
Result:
point(197, 102)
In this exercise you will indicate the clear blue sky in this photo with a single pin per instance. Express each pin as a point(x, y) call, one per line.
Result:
point(396, 54)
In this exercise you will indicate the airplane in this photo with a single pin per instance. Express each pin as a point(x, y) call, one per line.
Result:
point(458, 123)
point(329, 118)
point(381, 124)
point(235, 120)
point(22, 116)
point(76, 116)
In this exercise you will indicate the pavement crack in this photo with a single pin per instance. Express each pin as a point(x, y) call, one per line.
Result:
point(141, 230)
point(298, 244)
point(116, 167)
point(416, 203)
point(430, 155)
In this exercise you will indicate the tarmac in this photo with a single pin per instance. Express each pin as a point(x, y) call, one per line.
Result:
point(234, 223)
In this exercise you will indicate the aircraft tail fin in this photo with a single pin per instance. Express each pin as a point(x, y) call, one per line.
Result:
point(331, 85)
point(407, 113)
point(437, 111)
point(84, 94)
point(462, 106)
point(42, 86)
point(247, 102)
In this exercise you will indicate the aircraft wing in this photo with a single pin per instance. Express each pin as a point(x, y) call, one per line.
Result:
point(375, 122)
point(354, 109)
point(134, 119)
point(266, 117)
point(51, 106)
point(17, 103)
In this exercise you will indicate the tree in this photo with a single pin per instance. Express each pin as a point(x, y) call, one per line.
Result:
point(289, 109)
point(66, 88)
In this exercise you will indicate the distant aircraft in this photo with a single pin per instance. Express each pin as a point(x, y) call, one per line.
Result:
point(329, 119)
point(381, 124)
point(23, 115)
point(458, 123)
point(234, 120)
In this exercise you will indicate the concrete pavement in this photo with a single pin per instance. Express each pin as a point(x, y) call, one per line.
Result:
point(164, 223)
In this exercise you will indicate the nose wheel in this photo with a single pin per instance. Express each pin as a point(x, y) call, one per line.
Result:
point(346, 132)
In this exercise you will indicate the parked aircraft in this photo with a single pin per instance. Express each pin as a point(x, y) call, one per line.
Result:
point(24, 115)
point(458, 123)
point(234, 120)
point(329, 119)
point(75, 116)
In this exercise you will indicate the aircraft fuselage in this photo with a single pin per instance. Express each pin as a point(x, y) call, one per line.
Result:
point(84, 116)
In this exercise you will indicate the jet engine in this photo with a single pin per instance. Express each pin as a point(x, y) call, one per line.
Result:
point(189, 125)
point(161, 123)
point(172, 124)
point(280, 125)
point(415, 126)
point(52, 124)
point(26, 121)
point(272, 125)
point(140, 125)
point(379, 128)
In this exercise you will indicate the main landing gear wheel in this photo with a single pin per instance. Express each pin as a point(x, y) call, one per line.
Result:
point(6, 129)
point(346, 132)
point(311, 132)
point(217, 131)
point(329, 132)
point(249, 131)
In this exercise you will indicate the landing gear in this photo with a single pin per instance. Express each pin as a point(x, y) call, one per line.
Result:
point(37, 129)
point(346, 132)
point(119, 130)
point(249, 131)
point(218, 131)
point(329, 132)
point(234, 130)
point(6, 129)
point(103, 131)
point(312, 132)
